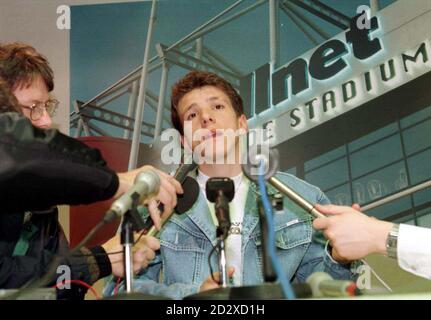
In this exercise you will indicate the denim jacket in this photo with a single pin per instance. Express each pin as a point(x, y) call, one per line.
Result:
point(181, 265)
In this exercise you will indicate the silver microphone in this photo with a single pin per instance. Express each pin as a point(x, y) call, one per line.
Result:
point(146, 185)
point(269, 157)
point(323, 285)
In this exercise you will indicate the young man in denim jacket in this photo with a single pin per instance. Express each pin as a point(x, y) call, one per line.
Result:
point(210, 104)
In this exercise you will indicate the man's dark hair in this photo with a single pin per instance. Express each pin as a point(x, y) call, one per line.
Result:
point(199, 79)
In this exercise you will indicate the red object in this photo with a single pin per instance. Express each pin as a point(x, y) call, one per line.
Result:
point(352, 290)
point(84, 217)
point(81, 283)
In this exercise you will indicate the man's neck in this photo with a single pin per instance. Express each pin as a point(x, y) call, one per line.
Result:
point(221, 170)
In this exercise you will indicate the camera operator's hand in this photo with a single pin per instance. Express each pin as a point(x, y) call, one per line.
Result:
point(167, 195)
point(143, 253)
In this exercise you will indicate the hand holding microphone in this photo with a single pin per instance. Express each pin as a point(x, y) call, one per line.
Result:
point(148, 187)
point(185, 200)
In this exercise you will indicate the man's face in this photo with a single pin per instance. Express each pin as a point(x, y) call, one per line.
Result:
point(211, 115)
point(37, 92)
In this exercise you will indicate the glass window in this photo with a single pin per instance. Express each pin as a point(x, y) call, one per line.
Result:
point(422, 197)
point(330, 175)
point(424, 218)
point(340, 196)
point(416, 117)
point(417, 137)
point(385, 212)
point(373, 136)
point(325, 158)
point(420, 167)
point(409, 219)
point(380, 184)
point(376, 156)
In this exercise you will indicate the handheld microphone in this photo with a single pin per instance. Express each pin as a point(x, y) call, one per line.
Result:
point(322, 285)
point(147, 184)
point(184, 201)
point(270, 160)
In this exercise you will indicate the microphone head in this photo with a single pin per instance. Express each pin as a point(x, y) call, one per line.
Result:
point(314, 280)
point(186, 200)
point(215, 185)
point(254, 156)
point(151, 179)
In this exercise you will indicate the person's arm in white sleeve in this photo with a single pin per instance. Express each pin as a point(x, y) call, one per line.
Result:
point(355, 235)
point(414, 250)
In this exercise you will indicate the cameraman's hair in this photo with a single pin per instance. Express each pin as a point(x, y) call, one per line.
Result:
point(20, 64)
point(8, 102)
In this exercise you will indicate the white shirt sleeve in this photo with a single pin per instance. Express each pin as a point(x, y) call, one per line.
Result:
point(414, 250)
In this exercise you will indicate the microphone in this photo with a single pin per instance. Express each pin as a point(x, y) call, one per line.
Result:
point(270, 160)
point(322, 285)
point(146, 184)
point(184, 201)
point(221, 191)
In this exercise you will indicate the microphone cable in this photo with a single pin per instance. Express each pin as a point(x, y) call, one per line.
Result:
point(284, 282)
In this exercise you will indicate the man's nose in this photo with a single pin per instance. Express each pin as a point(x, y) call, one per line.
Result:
point(44, 122)
point(207, 118)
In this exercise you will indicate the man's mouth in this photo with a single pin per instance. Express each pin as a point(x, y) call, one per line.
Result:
point(212, 134)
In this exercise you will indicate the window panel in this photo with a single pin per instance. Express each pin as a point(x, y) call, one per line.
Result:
point(340, 196)
point(420, 167)
point(421, 197)
point(325, 158)
point(424, 218)
point(417, 137)
point(373, 136)
point(330, 175)
point(380, 184)
point(384, 212)
point(376, 156)
point(416, 117)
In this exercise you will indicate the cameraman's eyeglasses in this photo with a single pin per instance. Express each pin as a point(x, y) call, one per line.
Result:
point(37, 109)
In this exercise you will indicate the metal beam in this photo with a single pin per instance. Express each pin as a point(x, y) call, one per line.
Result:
point(222, 61)
point(136, 137)
point(397, 195)
point(225, 21)
point(115, 96)
point(298, 22)
point(132, 106)
point(324, 12)
point(161, 104)
point(107, 116)
point(309, 22)
point(374, 6)
point(273, 33)
point(81, 123)
point(191, 63)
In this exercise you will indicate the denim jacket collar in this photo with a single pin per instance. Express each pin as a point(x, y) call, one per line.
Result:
point(201, 215)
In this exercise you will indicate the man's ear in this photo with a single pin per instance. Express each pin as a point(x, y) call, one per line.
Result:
point(242, 122)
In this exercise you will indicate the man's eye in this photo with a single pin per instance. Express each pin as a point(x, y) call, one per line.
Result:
point(219, 106)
